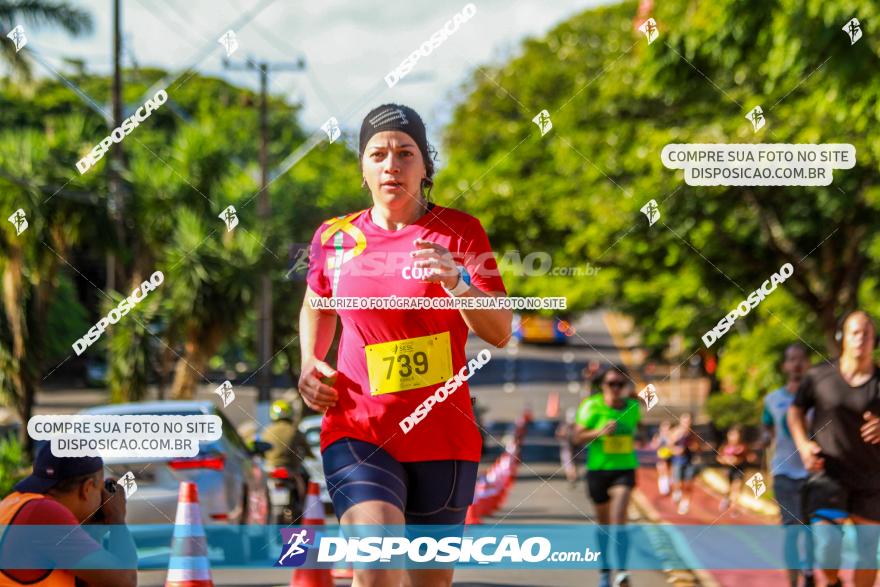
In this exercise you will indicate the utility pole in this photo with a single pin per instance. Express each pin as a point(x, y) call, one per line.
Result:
point(264, 210)
point(116, 161)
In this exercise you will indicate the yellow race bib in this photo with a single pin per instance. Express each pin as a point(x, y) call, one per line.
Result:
point(400, 365)
point(617, 444)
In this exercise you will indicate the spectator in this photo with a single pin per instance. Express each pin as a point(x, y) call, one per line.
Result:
point(735, 454)
point(662, 443)
point(67, 491)
point(566, 446)
point(788, 471)
point(684, 446)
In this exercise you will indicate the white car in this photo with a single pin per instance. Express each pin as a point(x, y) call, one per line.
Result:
point(233, 490)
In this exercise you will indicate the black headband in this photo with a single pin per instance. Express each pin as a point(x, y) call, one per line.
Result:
point(394, 117)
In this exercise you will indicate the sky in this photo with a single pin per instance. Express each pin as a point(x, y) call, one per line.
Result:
point(349, 47)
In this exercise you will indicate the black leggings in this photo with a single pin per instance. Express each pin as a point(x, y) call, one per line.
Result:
point(427, 492)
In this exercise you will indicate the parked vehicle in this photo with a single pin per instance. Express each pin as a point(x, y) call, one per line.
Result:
point(283, 482)
point(232, 486)
point(535, 329)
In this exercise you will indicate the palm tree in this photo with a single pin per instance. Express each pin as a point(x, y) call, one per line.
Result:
point(37, 13)
point(209, 273)
point(30, 261)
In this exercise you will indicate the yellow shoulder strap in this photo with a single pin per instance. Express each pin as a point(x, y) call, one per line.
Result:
point(337, 224)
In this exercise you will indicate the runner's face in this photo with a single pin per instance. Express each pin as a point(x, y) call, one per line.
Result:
point(858, 336)
point(613, 384)
point(796, 363)
point(393, 156)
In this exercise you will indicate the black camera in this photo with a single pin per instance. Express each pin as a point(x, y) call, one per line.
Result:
point(98, 517)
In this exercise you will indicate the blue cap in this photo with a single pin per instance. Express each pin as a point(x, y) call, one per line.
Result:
point(50, 470)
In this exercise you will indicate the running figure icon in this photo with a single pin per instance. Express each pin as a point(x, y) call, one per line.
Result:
point(296, 539)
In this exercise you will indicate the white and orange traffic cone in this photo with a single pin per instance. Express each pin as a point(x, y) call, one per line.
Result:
point(313, 515)
point(189, 565)
point(493, 492)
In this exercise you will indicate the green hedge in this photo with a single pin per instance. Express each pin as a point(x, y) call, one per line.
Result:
point(12, 459)
point(727, 409)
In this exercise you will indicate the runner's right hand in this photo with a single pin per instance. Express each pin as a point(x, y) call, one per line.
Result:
point(608, 428)
point(317, 395)
point(113, 506)
point(810, 456)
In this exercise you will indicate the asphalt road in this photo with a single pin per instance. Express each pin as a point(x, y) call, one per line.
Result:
point(541, 495)
point(517, 377)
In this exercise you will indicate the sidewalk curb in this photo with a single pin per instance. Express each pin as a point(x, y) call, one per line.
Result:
point(716, 482)
point(677, 577)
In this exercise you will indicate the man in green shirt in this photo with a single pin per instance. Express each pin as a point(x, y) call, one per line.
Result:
point(607, 423)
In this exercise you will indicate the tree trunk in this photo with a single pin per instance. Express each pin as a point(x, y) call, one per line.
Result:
point(828, 317)
point(200, 345)
point(25, 411)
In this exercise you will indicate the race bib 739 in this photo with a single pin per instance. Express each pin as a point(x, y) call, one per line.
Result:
point(410, 363)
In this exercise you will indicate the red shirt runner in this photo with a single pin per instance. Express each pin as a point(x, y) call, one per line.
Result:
point(376, 263)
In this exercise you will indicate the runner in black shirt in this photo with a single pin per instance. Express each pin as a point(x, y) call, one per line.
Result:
point(843, 448)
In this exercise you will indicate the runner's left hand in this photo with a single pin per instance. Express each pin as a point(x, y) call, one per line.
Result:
point(871, 428)
point(437, 261)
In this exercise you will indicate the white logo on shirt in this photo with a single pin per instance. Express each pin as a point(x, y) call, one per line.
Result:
point(414, 273)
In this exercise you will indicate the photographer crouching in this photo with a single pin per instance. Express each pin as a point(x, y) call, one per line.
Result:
point(66, 492)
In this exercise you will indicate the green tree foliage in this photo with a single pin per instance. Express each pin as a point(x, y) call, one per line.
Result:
point(191, 159)
point(12, 463)
point(615, 101)
point(727, 409)
point(31, 181)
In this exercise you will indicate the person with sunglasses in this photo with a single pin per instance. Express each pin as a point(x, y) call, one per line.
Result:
point(607, 423)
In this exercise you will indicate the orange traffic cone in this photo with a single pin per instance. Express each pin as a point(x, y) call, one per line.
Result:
point(189, 565)
point(345, 571)
point(505, 479)
point(313, 515)
point(490, 494)
point(474, 511)
point(553, 404)
point(492, 489)
point(473, 516)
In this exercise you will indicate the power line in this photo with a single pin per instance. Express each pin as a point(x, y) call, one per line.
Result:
point(206, 52)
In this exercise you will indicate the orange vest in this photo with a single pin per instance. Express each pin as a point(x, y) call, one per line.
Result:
point(9, 507)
